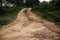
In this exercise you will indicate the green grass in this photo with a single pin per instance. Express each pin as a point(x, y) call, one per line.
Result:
point(4, 22)
point(49, 16)
point(8, 13)
point(11, 13)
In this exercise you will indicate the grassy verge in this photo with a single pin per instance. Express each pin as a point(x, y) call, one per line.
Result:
point(53, 16)
point(8, 14)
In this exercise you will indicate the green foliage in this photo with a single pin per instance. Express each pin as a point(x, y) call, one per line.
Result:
point(50, 11)
point(10, 11)
point(55, 3)
point(8, 14)
point(16, 2)
point(4, 22)
point(53, 16)
point(31, 3)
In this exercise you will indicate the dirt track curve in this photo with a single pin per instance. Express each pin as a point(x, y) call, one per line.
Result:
point(29, 26)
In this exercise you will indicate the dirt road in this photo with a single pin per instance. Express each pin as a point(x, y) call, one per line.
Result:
point(29, 26)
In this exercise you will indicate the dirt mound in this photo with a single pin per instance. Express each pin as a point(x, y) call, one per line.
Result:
point(29, 26)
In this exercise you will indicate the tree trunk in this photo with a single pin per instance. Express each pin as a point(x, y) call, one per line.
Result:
point(0, 3)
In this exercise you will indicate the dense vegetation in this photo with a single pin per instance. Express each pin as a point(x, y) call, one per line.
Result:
point(48, 10)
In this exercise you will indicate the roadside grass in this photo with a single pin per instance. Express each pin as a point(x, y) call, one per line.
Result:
point(53, 16)
point(8, 14)
point(4, 22)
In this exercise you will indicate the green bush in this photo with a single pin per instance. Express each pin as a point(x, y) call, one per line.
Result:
point(8, 12)
point(48, 16)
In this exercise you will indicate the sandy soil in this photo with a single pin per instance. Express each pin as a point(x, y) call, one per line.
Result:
point(29, 26)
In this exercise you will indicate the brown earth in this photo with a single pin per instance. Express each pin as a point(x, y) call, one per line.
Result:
point(29, 26)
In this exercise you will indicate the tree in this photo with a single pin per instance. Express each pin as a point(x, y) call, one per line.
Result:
point(55, 3)
point(0, 3)
point(32, 3)
point(16, 2)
